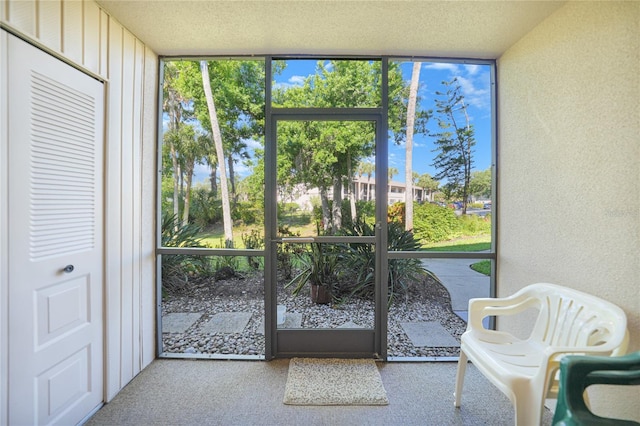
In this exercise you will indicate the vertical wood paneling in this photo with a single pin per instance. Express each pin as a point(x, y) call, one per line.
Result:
point(77, 29)
point(72, 31)
point(50, 24)
point(22, 15)
point(126, 208)
point(104, 44)
point(113, 222)
point(92, 33)
point(136, 185)
point(85, 34)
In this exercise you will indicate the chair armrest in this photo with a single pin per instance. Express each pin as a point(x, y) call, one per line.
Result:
point(483, 307)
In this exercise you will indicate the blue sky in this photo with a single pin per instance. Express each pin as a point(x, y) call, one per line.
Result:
point(475, 82)
point(475, 85)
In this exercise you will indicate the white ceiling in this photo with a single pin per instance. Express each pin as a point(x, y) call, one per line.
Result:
point(471, 29)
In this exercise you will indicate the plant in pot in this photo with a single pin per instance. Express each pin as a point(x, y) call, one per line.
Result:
point(318, 268)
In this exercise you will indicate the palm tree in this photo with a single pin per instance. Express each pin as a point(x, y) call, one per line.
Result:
point(217, 139)
point(368, 169)
point(411, 117)
point(174, 107)
point(391, 172)
point(428, 184)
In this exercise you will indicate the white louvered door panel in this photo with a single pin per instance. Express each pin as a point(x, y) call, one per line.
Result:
point(56, 177)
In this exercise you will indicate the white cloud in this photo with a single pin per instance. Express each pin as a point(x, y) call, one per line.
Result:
point(472, 69)
point(475, 92)
point(443, 66)
point(293, 81)
point(241, 170)
point(252, 144)
point(296, 80)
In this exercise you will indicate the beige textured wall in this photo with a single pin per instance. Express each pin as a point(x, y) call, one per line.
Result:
point(569, 162)
point(82, 34)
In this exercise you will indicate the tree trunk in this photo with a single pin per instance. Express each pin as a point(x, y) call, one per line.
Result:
point(176, 183)
point(351, 188)
point(232, 177)
point(217, 139)
point(408, 167)
point(187, 194)
point(326, 213)
point(214, 181)
point(336, 208)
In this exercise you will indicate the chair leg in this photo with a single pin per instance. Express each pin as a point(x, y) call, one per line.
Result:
point(528, 411)
point(462, 367)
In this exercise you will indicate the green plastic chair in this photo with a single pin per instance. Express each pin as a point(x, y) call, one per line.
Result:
point(577, 372)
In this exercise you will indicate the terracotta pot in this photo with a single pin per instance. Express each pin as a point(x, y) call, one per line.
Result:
point(320, 294)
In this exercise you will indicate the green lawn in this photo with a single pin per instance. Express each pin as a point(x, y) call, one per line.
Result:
point(478, 243)
point(484, 267)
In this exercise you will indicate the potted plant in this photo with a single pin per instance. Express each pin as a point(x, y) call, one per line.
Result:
point(318, 268)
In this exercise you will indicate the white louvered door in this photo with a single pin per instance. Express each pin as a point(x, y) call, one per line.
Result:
point(56, 135)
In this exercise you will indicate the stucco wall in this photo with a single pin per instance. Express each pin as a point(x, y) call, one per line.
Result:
point(569, 163)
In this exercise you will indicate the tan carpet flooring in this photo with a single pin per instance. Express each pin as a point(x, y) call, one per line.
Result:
point(205, 392)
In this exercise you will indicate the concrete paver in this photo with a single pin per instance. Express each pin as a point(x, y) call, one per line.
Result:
point(428, 334)
point(227, 322)
point(179, 322)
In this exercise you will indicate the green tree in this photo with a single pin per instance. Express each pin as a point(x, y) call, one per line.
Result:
point(454, 142)
point(330, 166)
point(480, 184)
point(428, 184)
point(174, 105)
point(186, 148)
point(323, 154)
point(391, 172)
point(236, 91)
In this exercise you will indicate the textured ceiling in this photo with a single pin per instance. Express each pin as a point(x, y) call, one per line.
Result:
point(472, 29)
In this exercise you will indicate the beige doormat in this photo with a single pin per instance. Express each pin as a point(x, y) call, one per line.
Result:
point(331, 381)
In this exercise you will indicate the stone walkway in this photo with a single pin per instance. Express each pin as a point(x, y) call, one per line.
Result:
point(462, 282)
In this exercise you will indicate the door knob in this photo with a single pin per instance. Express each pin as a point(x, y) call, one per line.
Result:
point(68, 269)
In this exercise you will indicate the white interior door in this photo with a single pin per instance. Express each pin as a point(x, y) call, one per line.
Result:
point(56, 359)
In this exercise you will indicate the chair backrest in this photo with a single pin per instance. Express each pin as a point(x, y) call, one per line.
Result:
point(572, 318)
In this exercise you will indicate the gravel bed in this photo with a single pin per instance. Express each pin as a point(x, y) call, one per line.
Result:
point(424, 301)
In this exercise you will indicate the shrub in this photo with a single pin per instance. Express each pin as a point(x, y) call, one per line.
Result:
point(178, 268)
point(285, 252)
point(472, 224)
point(247, 212)
point(253, 240)
point(205, 210)
point(359, 262)
point(395, 213)
point(366, 211)
point(433, 223)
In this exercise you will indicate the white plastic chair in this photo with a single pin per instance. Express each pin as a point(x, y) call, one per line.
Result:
point(568, 322)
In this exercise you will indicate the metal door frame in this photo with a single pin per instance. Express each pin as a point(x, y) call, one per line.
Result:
point(346, 343)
